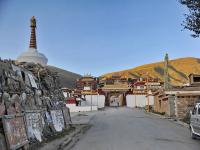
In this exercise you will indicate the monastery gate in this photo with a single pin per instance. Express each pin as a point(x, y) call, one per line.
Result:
point(115, 94)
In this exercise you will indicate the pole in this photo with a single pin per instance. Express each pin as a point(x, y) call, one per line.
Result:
point(91, 100)
point(98, 100)
point(135, 101)
point(91, 96)
point(148, 109)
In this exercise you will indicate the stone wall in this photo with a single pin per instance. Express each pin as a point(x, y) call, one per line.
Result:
point(185, 103)
point(30, 95)
point(177, 104)
point(160, 105)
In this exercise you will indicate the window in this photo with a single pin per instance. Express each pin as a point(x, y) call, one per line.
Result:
point(196, 79)
point(141, 87)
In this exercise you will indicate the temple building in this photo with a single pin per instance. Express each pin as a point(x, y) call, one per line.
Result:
point(114, 79)
point(87, 83)
point(32, 54)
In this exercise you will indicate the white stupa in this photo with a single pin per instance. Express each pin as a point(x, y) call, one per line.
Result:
point(32, 54)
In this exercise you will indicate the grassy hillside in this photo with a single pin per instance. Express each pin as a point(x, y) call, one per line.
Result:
point(179, 69)
point(67, 78)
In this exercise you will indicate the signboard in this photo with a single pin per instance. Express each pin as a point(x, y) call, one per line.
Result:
point(58, 120)
point(15, 131)
point(34, 122)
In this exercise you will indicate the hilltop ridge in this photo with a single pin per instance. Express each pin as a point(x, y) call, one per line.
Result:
point(179, 69)
point(67, 78)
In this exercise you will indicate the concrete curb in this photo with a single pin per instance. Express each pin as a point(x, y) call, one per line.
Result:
point(183, 124)
point(74, 138)
point(77, 135)
point(67, 141)
point(174, 120)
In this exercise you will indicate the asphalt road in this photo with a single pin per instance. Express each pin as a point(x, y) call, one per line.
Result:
point(132, 129)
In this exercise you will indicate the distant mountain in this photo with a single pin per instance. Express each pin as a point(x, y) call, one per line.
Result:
point(179, 69)
point(67, 78)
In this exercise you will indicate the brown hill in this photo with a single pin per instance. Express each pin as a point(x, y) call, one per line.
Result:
point(67, 78)
point(179, 69)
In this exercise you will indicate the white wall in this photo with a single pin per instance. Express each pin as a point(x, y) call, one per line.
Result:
point(97, 100)
point(138, 100)
point(130, 100)
point(74, 108)
point(151, 100)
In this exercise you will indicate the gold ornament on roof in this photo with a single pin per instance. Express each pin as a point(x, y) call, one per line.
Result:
point(33, 22)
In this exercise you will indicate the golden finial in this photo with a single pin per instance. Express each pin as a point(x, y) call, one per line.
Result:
point(33, 22)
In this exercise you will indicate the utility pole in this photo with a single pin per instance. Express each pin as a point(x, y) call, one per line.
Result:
point(135, 101)
point(97, 100)
point(91, 97)
point(91, 101)
point(148, 108)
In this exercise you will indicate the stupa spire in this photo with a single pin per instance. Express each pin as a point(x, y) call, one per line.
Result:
point(32, 55)
point(33, 43)
point(166, 74)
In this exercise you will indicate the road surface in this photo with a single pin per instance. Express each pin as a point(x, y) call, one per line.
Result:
point(133, 129)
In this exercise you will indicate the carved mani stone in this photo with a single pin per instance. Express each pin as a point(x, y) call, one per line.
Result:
point(16, 100)
point(2, 107)
point(10, 106)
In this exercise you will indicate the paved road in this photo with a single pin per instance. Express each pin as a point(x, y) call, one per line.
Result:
point(132, 129)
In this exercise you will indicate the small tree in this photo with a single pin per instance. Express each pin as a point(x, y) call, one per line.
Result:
point(192, 20)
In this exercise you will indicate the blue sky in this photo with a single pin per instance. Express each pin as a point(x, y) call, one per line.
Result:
point(97, 36)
